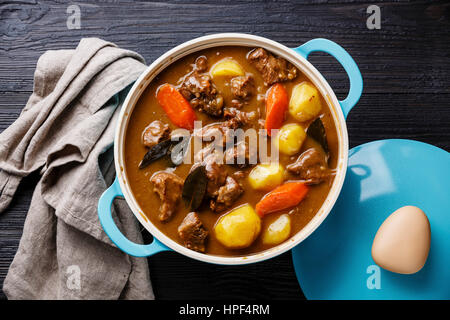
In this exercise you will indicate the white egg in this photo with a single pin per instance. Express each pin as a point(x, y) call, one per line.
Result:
point(402, 242)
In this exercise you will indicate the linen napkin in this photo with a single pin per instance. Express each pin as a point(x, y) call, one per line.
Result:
point(66, 131)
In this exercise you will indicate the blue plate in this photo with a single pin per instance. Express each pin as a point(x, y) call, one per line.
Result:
point(335, 262)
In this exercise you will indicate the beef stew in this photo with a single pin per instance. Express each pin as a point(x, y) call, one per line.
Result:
point(231, 88)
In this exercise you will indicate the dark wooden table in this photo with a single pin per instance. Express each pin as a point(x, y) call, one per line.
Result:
point(405, 66)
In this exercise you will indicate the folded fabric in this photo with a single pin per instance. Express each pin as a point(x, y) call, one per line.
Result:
point(66, 131)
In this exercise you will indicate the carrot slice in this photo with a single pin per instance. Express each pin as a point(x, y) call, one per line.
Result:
point(285, 196)
point(176, 106)
point(276, 106)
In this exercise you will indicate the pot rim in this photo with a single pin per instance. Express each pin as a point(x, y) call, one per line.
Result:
point(230, 39)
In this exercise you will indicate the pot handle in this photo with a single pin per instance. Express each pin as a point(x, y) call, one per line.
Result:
point(116, 236)
point(342, 56)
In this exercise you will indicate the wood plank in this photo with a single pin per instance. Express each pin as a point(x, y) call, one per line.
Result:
point(385, 56)
point(269, 280)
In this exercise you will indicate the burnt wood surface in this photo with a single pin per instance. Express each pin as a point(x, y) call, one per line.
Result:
point(405, 66)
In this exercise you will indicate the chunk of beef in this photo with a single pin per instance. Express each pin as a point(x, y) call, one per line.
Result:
point(203, 95)
point(241, 155)
point(238, 119)
point(192, 232)
point(221, 133)
point(242, 87)
point(201, 64)
point(236, 103)
point(261, 124)
point(216, 174)
point(154, 133)
point(196, 85)
point(227, 195)
point(238, 175)
point(168, 186)
point(203, 153)
point(311, 166)
point(273, 69)
point(221, 188)
point(198, 88)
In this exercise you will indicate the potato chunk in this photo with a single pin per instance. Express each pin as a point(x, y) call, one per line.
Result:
point(266, 176)
point(226, 67)
point(238, 228)
point(290, 138)
point(305, 102)
point(278, 231)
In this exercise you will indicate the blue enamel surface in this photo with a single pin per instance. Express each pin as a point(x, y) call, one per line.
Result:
point(347, 62)
point(382, 176)
point(107, 222)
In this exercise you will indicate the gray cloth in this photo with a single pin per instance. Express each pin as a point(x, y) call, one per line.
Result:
point(66, 131)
